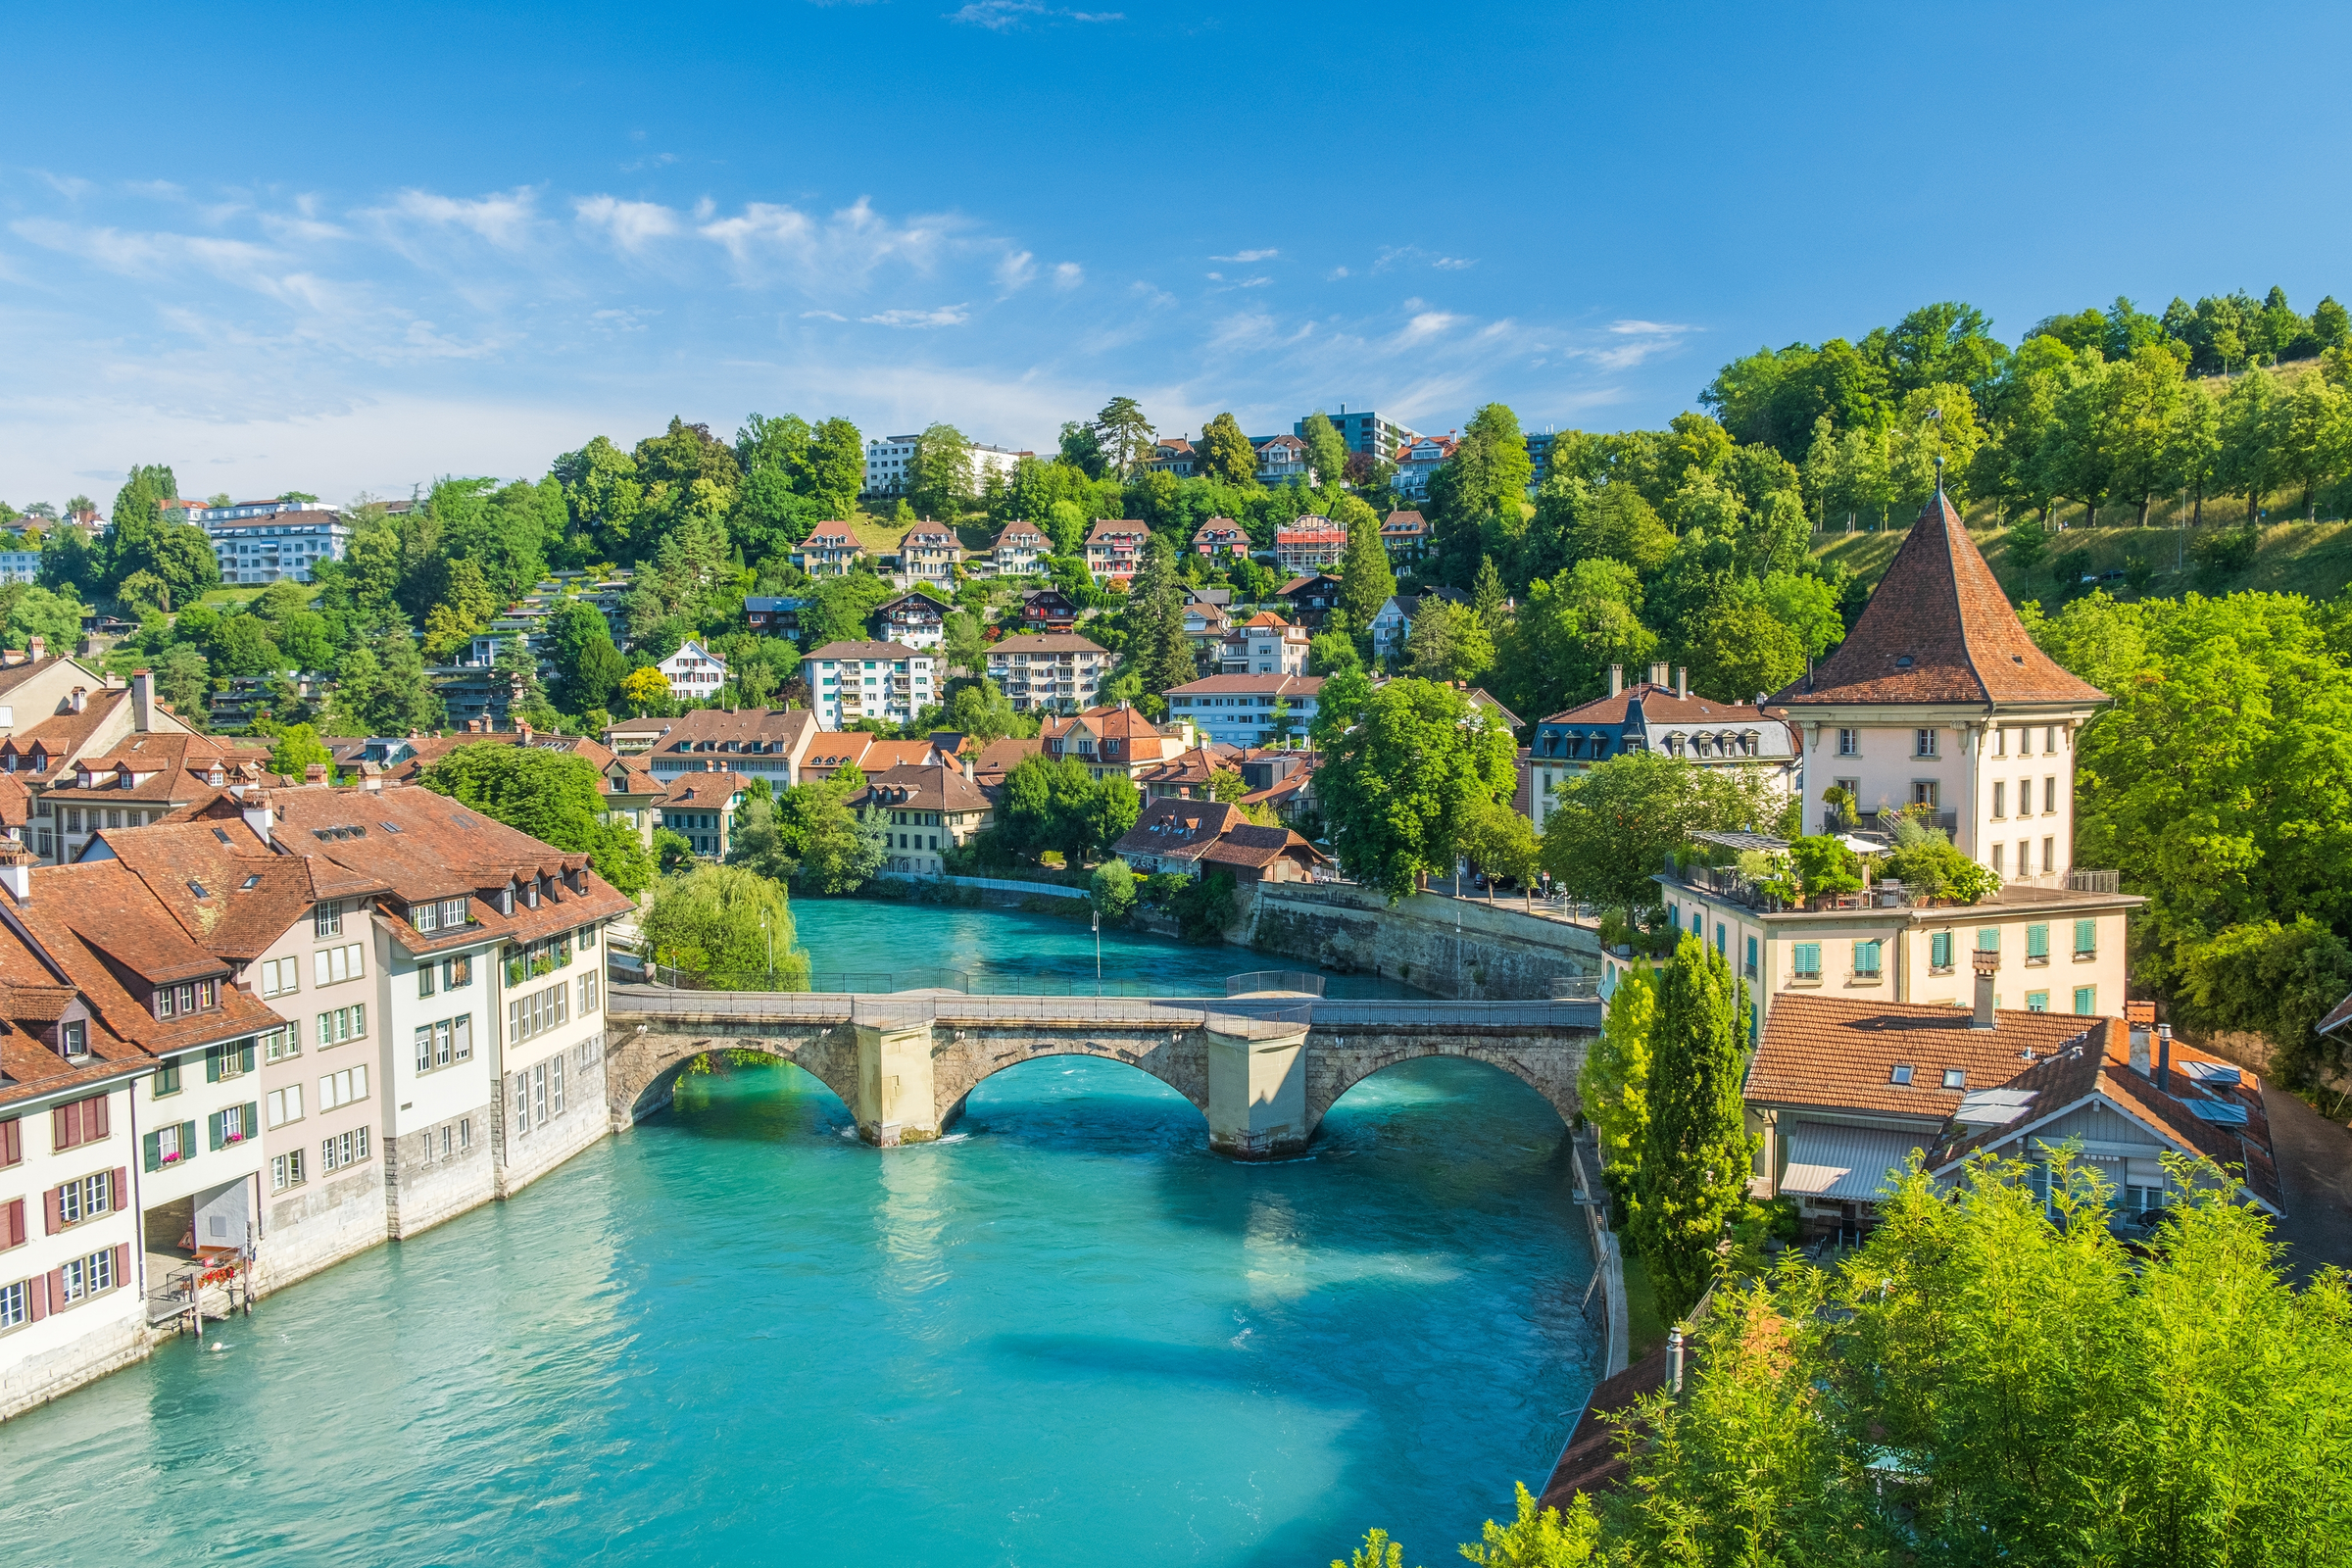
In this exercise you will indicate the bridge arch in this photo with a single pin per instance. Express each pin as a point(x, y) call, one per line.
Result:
point(641, 1069)
point(1340, 1059)
point(964, 1058)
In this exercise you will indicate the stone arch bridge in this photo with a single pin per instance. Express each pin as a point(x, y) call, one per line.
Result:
point(1263, 1070)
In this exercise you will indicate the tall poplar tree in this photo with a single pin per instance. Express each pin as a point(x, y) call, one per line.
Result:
point(1696, 1153)
point(1225, 453)
point(1367, 581)
point(1326, 449)
point(1158, 649)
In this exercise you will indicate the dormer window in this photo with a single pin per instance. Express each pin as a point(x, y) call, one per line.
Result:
point(73, 1038)
point(176, 1001)
point(530, 894)
point(506, 899)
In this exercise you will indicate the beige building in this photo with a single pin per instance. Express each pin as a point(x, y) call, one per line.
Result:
point(931, 811)
point(1057, 671)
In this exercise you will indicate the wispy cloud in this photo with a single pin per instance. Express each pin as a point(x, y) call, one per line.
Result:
point(944, 316)
point(628, 226)
point(1247, 256)
point(1005, 15)
point(1631, 342)
point(1016, 270)
point(1069, 275)
point(838, 251)
point(504, 219)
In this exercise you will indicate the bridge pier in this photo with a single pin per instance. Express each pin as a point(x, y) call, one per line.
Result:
point(1258, 1092)
point(896, 1101)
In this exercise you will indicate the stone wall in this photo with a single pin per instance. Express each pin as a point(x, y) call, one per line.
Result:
point(1453, 948)
point(1549, 1061)
point(961, 1058)
point(531, 1154)
point(422, 1190)
point(116, 1338)
point(319, 1224)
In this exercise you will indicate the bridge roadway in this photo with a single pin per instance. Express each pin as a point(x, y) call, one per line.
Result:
point(1262, 1069)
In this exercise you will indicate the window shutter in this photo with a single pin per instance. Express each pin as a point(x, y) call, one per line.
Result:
point(152, 1151)
point(94, 1115)
point(51, 1213)
point(55, 1282)
point(253, 1119)
point(122, 1262)
point(11, 1141)
point(122, 1194)
point(12, 1223)
point(38, 1288)
point(245, 1055)
point(187, 1141)
point(212, 1064)
point(212, 1125)
point(62, 1128)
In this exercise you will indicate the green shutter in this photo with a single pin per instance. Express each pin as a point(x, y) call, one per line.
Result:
point(2038, 942)
point(245, 1055)
point(154, 1146)
point(1989, 939)
point(253, 1119)
point(2086, 936)
point(187, 1141)
point(212, 1068)
point(212, 1126)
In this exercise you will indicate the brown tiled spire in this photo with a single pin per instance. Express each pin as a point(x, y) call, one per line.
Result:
point(1937, 629)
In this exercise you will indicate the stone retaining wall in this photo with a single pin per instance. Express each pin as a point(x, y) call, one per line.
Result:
point(1453, 948)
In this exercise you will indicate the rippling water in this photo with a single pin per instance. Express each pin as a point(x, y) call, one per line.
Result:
point(1067, 1333)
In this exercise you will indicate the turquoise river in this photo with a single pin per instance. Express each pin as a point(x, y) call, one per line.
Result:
point(1066, 1334)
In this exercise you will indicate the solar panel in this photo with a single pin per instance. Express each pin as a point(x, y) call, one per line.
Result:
point(2220, 1111)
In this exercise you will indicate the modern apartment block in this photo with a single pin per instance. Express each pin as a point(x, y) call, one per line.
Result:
point(278, 545)
point(851, 681)
point(1247, 710)
point(1365, 431)
point(770, 743)
point(1056, 671)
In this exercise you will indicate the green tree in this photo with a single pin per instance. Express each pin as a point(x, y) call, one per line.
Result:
point(1448, 643)
point(1225, 453)
point(552, 796)
point(846, 849)
point(1123, 435)
point(1113, 888)
point(942, 472)
point(34, 611)
point(727, 928)
point(834, 469)
point(1476, 494)
point(1741, 648)
point(966, 643)
point(1401, 789)
point(1611, 828)
point(2274, 980)
point(293, 749)
point(1614, 1084)
point(588, 667)
point(1326, 449)
point(1366, 580)
point(1557, 650)
point(183, 679)
point(240, 644)
point(1503, 843)
point(1696, 1155)
point(381, 688)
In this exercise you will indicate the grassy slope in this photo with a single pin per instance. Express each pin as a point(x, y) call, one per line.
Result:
point(2314, 559)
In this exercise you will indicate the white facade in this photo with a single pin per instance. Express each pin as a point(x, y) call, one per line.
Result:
point(69, 1300)
point(20, 566)
point(693, 673)
point(851, 681)
point(1240, 710)
point(890, 463)
point(288, 543)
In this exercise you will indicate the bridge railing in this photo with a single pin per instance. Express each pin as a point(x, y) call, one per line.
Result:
point(1242, 985)
point(976, 982)
point(1175, 1012)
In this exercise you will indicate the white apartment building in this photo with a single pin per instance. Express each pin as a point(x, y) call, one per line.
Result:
point(851, 681)
point(1057, 671)
point(20, 566)
point(1242, 710)
point(890, 463)
point(770, 743)
point(694, 672)
point(263, 547)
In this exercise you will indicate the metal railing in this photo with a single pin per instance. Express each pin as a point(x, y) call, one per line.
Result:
point(1241, 985)
point(958, 1007)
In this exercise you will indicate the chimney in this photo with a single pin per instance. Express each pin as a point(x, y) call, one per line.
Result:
point(1682, 681)
point(2163, 1057)
point(38, 648)
point(16, 874)
point(1987, 962)
point(82, 694)
point(2140, 1050)
point(259, 817)
point(371, 776)
point(1657, 674)
point(314, 775)
point(1616, 679)
point(142, 700)
point(522, 732)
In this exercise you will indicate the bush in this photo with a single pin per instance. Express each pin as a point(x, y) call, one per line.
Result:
point(1928, 865)
point(2268, 979)
point(2224, 552)
point(1825, 865)
point(1204, 908)
point(1113, 887)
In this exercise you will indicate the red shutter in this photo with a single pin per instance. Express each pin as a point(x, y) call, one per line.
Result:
point(55, 1214)
point(54, 1283)
point(63, 1128)
point(38, 1288)
point(12, 1223)
point(122, 1192)
point(94, 1116)
point(11, 1141)
point(122, 1263)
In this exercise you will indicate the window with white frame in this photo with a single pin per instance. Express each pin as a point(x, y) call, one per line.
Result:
point(333, 965)
point(342, 1149)
point(326, 920)
point(444, 1043)
point(286, 1170)
point(338, 1088)
point(342, 1024)
point(1925, 741)
point(12, 1308)
point(86, 1197)
point(280, 976)
point(281, 1042)
point(285, 1104)
point(84, 1277)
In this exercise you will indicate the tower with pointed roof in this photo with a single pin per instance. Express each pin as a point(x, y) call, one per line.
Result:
point(1939, 698)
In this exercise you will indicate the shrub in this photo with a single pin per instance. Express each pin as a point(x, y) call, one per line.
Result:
point(1825, 865)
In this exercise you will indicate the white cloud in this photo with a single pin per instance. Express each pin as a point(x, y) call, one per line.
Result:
point(1636, 342)
point(944, 316)
point(839, 252)
point(1253, 282)
point(1004, 16)
point(822, 316)
point(1247, 256)
point(1069, 275)
point(628, 226)
point(1016, 270)
point(1451, 264)
point(1335, 274)
point(1426, 326)
point(504, 219)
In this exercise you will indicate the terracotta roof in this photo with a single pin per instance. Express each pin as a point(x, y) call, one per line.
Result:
point(16, 801)
point(1214, 832)
point(1839, 1052)
point(1109, 528)
point(1018, 531)
point(1592, 1460)
point(1192, 767)
point(2102, 1067)
point(882, 754)
point(1939, 629)
point(1046, 641)
point(704, 788)
point(1267, 617)
point(1307, 580)
point(1000, 756)
point(862, 650)
point(783, 727)
point(1660, 705)
point(1405, 523)
point(831, 535)
point(932, 788)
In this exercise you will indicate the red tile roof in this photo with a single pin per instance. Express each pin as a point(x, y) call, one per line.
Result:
point(1939, 629)
point(1839, 1052)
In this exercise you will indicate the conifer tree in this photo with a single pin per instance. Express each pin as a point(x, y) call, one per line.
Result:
point(1366, 580)
point(1696, 1153)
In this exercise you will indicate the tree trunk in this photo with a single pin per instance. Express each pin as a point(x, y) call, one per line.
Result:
point(2196, 518)
point(2143, 511)
point(2311, 503)
point(2251, 498)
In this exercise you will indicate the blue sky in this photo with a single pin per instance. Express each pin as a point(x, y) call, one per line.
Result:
point(346, 249)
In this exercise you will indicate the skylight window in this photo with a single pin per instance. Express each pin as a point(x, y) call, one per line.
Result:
point(250, 883)
point(1955, 1077)
point(1901, 1073)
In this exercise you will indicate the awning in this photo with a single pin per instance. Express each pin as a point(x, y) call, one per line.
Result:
point(1841, 1164)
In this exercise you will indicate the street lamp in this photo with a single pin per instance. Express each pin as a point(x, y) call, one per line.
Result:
point(1098, 953)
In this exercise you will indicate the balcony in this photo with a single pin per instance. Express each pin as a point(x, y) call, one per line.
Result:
point(1833, 820)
